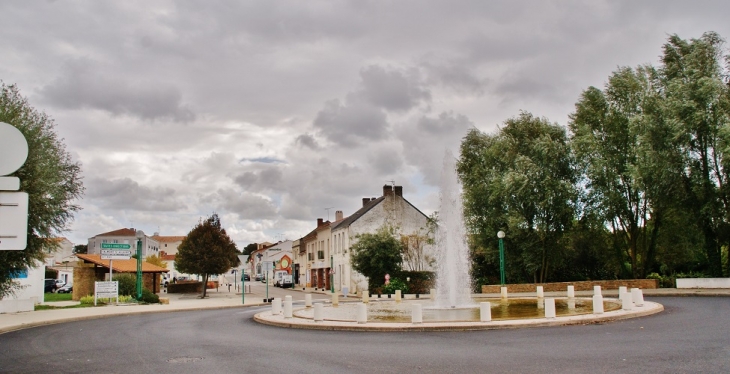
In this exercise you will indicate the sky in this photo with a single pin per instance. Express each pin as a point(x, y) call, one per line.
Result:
point(275, 113)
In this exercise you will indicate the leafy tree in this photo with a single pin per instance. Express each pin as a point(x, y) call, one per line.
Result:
point(49, 176)
point(249, 248)
point(156, 260)
point(127, 284)
point(207, 250)
point(81, 248)
point(376, 254)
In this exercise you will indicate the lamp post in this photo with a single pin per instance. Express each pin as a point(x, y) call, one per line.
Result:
point(500, 235)
point(139, 234)
point(332, 273)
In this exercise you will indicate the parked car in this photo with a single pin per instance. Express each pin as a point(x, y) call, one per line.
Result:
point(60, 283)
point(49, 285)
point(246, 277)
point(67, 288)
point(258, 277)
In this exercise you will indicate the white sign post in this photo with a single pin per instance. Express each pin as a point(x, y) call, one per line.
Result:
point(13, 205)
point(109, 290)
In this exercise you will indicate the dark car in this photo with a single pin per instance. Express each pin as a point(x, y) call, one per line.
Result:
point(246, 277)
point(67, 288)
point(50, 286)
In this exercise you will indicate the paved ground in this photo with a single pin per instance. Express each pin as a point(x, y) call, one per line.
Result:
point(692, 335)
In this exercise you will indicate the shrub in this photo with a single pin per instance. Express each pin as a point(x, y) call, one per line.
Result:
point(148, 297)
point(395, 284)
point(127, 284)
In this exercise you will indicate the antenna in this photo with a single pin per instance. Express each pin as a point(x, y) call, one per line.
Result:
point(328, 212)
point(392, 183)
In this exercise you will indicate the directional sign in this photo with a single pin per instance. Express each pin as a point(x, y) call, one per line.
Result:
point(115, 254)
point(13, 220)
point(115, 246)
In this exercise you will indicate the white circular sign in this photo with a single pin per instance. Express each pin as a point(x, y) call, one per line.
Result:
point(13, 149)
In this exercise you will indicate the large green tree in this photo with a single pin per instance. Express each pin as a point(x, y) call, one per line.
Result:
point(376, 254)
point(207, 250)
point(49, 176)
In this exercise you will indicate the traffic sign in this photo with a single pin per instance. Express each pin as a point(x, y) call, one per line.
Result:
point(115, 246)
point(13, 220)
point(115, 254)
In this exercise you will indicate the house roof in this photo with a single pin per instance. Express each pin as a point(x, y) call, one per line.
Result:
point(360, 212)
point(122, 266)
point(168, 239)
point(166, 257)
point(120, 232)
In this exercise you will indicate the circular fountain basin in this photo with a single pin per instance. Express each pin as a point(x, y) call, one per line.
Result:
point(506, 313)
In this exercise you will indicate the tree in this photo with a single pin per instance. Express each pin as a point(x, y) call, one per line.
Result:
point(156, 260)
point(81, 248)
point(207, 250)
point(250, 248)
point(375, 255)
point(49, 176)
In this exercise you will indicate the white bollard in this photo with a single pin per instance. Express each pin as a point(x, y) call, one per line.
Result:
point(416, 314)
point(637, 296)
point(541, 303)
point(621, 291)
point(540, 292)
point(287, 298)
point(433, 294)
point(485, 311)
point(571, 292)
point(288, 308)
point(626, 303)
point(365, 297)
point(308, 300)
point(503, 291)
point(597, 290)
point(318, 312)
point(335, 299)
point(276, 306)
point(397, 296)
point(362, 313)
point(597, 304)
point(549, 308)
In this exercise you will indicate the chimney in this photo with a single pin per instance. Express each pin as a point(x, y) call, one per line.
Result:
point(399, 191)
point(338, 215)
point(365, 201)
point(387, 190)
point(320, 221)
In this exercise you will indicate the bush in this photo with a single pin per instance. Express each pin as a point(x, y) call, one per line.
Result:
point(127, 284)
point(395, 284)
point(148, 297)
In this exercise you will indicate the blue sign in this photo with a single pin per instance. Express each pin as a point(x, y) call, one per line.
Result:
point(19, 273)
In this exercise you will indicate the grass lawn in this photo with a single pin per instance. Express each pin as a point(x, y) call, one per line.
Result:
point(56, 297)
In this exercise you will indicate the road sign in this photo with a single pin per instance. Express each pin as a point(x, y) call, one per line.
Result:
point(13, 220)
point(115, 254)
point(115, 246)
point(106, 290)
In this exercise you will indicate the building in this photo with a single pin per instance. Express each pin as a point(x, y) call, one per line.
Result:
point(318, 267)
point(168, 244)
point(63, 253)
point(150, 246)
point(391, 210)
point(275, 257)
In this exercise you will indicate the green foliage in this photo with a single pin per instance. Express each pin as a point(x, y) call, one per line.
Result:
point(57, 297)
point(81, 248)
point(421, 282)
point(249, 248)
point(395, 284)
point(49, 176)
point(123, 299)
point(207, 250)
point(149, 297)
point(127, 284)
point(375, 255)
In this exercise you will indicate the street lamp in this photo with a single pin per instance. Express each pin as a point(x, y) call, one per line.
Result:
point(139, 234)
point(500, 235)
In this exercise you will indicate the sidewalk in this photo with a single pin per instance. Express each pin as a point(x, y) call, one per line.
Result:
point(223, 299)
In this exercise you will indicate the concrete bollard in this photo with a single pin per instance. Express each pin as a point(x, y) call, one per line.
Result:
point(550, 308)
point(541, 303)
point(365, 297)
point(540, 292)
point(276, 306)
point(318, 312)
point(362, 313)
point(626, 303)
point(503, 291)
point(416, 314)
point(637, 296)
point(621, 291)
point(433, 294)
point(485, 311)
point(308, 300)
point(288, 297)
point(571, 292)
point(335, 299)
point(397, 296)
point(597, 290)
point(597, 304)
point(288, 308)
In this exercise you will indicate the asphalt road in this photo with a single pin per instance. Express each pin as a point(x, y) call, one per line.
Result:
point(692, 335)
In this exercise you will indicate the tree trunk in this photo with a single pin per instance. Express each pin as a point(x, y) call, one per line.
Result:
point(205, 284)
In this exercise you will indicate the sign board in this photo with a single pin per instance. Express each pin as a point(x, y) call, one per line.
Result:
point(13, 221)
point(115, 246)
point(106, 289)
point(115, 254)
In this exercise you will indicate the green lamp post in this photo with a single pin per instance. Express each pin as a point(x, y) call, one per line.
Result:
point(139, 234)
point(500, 235)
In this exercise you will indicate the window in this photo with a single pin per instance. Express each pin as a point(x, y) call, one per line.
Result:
point(310, 256)
point(320, 255)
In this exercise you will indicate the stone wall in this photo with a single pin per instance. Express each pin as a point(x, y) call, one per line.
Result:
point(84, 278)
point(579, 286)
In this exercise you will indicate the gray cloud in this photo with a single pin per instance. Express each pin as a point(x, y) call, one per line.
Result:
point(391, 89)
point(352, 124)
point(126, 194)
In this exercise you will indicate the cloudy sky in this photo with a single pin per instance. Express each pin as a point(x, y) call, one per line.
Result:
point(270, 112)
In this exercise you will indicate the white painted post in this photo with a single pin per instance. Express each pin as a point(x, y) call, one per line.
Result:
point(540, 293)
point(503, 291)
point(288, 308)
point(416, 314)
point(335, 299)
point(318, 312)
point(397, 296)
point(365, 297)
point(597, 304)
point(626, 303)
point(571, 292)
point(308, 300)
point(276, 306)
point(621, 292)
point(637, 296)
point(597, 290)
point(549, 308)
point(485, 311)
point(362, 313)
point(288, 297)
point(433, 294)
point(541, 303)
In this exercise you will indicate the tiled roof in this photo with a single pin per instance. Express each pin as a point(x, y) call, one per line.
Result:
point(122, 266)
point(120, 232)
point(168, 239)
point(167, 257)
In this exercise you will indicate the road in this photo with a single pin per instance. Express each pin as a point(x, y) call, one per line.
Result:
point(692, 335)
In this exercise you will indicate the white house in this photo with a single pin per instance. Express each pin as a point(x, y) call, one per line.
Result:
point(30, 293)
point(64, 252)
point(265, 259)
